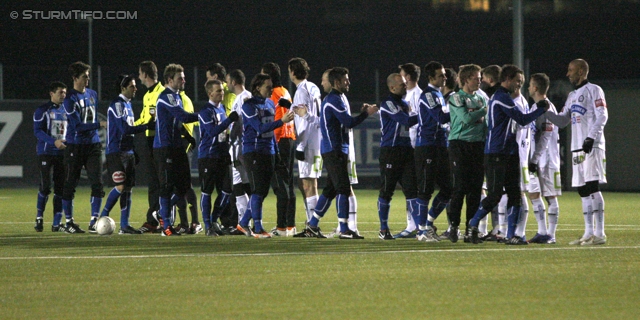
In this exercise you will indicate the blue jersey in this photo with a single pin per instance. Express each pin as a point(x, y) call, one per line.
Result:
point(82, 117)
point(170, 116)
point(502, 117)
point(335, 122)
point(120, 128)
point(214, 140)
point(395, 122)
point(49, 125)
point(257, 117)
point(432, 119)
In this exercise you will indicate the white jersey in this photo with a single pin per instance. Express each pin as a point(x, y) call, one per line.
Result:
point(235, 130)
point(353, 176)
point(523, 133)
point(546, 148)
point(308, 128)
point(588, 110)
point(412, 97)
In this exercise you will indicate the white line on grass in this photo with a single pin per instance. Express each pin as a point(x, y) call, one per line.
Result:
point(261, 254)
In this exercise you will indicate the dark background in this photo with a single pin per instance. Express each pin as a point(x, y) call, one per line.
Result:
point(360, 35)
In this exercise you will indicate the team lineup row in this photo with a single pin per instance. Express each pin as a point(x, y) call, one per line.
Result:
point(453, 134)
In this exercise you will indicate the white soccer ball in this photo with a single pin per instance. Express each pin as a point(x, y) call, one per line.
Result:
point(105, 226)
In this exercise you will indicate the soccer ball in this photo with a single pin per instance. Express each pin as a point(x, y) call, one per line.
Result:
point(105, 226)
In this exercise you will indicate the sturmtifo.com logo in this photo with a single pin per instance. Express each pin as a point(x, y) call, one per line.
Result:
point(74, 14)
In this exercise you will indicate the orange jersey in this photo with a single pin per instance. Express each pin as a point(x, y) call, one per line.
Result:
point(287, 130)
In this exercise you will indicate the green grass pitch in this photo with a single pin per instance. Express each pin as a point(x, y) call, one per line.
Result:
point(59, 276)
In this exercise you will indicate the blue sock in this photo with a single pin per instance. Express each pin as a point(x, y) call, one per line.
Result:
point(165, 206)
point(383, 213)
point(256, 211)
point(422, 211)
point(513, 215)
point(205, 208)
point(322, 206)
point(412, 206)
point(245, 218)
point(125, 208)
point(96, 204)
point(41, 205)
point(475, 221)
point(112, 198)
point(222, 201)
point(67, 207)
point(342, 204)
point(57, 210)
point(437, 206)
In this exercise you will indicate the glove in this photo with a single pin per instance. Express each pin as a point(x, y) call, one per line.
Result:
point(233, 116)
point(587, 145)
point(284, 103)
point(300, 155)
point(533, 167)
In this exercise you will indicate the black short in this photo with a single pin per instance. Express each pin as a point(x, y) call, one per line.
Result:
point(467, 174)
point(174, 174)
point(122, 168)
point(215, 173)
point(260, 168)
point(77, 156)
point(397, 165)
point(337, 165)
point(432, 167)
point(50, 164)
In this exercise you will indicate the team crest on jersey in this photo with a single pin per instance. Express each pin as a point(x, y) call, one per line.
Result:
point(118, 177)
point(430, 102)
point(581, 98)
point(172, 100)
point(118, 108)
point(392, 107)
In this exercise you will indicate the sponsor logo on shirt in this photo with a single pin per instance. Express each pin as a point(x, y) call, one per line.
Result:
point(578, 109)
point(600, 103)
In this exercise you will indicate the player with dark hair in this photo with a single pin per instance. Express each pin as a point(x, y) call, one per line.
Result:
point(148, 76)
point(396, 154)
point(168, 150)
point(241, 187)
point(259, 149)
point(49, 126)
point(335, 123)
point(431, 154)
point(586, 109)
point(411, 73)
point(282, 181)
point(214, 160)
point(121, 158)
point(502, 160)
point(308, 133)
point(83, 145)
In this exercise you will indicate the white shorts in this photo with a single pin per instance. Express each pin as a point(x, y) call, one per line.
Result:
point(546, 181)
point(589, 167)
point(308, 169)
point(239, 175)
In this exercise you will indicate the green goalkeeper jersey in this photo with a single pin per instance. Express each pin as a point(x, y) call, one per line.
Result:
point(467, 117)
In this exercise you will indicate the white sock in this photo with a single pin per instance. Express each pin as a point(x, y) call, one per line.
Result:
point(241, 204)
point(482, 227)
point(502, 214)
point(588, 217)
point(521, 229)
point(311, 205)
point(554, 212)
point(598, 213)
point(411, 225)
point(353, 210)
point(539, 213)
